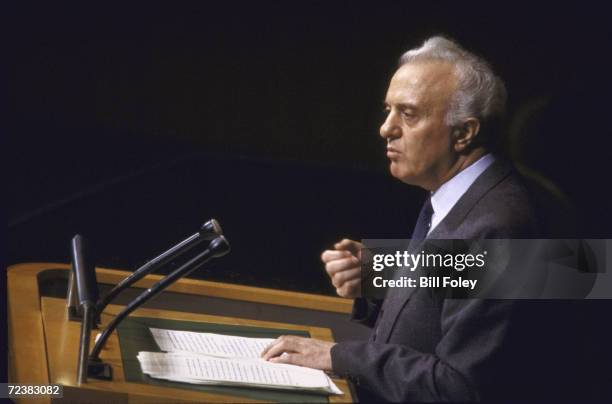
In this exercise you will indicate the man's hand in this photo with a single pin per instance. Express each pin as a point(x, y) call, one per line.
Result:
point(343, 265)
point(312, 353)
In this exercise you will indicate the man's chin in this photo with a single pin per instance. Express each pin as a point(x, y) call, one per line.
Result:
point(394, 169)
point(402, 175)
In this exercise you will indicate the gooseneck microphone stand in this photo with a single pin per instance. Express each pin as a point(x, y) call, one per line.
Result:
point(208, 231)
point(218, 247)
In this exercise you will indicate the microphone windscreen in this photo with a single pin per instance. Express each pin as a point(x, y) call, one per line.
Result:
point(219, 247)
point(210, 230)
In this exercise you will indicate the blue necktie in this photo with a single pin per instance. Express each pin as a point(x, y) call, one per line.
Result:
point(420, 232)
point(423, 222)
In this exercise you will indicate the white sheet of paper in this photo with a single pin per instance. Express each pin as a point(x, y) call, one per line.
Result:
point(254, 372)
point(223, 346)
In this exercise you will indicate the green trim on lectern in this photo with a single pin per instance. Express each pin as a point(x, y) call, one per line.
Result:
point(134, 336)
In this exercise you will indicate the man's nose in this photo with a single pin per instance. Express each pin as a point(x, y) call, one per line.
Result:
point(390, 128)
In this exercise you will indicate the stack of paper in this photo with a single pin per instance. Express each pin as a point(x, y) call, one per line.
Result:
point(204, 358)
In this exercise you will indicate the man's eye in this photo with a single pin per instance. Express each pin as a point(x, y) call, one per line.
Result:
point(408, 115)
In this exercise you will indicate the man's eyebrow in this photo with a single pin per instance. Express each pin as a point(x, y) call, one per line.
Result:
point(406, 106)
point(401, 105)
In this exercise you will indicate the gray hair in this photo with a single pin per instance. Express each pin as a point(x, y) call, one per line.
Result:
point(480, 93)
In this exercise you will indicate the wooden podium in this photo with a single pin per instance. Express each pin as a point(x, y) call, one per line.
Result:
point(43, 344)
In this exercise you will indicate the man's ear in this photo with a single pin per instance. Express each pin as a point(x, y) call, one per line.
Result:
point(465, 134)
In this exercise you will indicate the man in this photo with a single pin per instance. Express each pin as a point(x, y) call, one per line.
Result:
point(442, 107)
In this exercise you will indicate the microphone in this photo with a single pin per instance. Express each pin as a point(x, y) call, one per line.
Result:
point(84, 271)
point(87, 291)
point(208, 231)
point(218, 247)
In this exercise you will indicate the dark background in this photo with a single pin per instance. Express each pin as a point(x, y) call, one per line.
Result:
point(133, 124)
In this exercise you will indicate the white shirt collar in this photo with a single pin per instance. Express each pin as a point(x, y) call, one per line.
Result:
point(445, 197)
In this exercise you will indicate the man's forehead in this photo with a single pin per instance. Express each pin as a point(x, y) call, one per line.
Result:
point(417, 79)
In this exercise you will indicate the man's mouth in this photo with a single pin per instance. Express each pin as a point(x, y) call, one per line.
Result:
point(392, 153)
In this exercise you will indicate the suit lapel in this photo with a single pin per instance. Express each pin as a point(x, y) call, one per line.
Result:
point(492, 176)
point(397, 298)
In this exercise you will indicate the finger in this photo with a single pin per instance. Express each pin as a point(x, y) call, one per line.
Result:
point(282, 344)
point(273, 351)
point(349, 289)
point(348, 245)
point(288, 358)
point(343, 264)
point(270, 345)
point(273, 344)
point(339, 278)
point(331, 255)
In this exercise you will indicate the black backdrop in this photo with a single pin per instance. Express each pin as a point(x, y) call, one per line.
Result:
point(132, 124)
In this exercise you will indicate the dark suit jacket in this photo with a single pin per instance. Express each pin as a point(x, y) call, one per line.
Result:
point(425, 348)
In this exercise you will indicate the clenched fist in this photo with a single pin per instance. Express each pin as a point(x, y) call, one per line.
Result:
point(343, 265)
